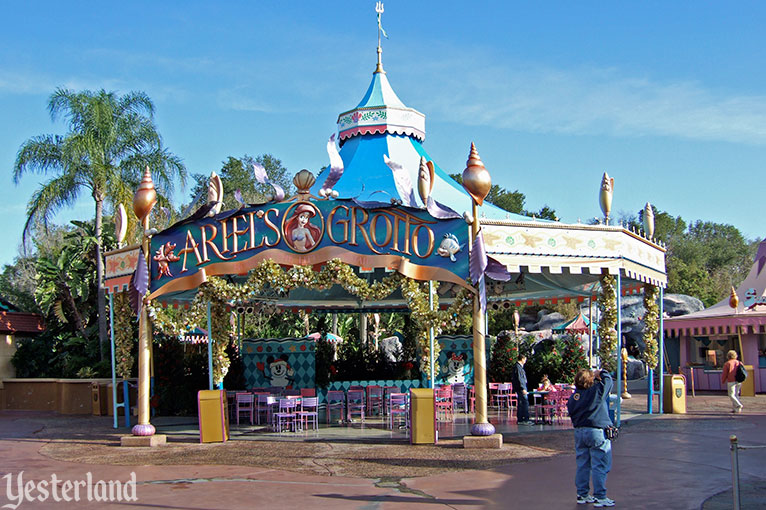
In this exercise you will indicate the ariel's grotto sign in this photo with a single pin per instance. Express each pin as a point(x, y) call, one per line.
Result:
point(408, 240)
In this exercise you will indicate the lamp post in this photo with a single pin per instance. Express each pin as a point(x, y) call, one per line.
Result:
point(477, 182)
point(143, 202)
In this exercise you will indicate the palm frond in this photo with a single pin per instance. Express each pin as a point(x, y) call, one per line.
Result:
point(39, 154)
point(51, 197)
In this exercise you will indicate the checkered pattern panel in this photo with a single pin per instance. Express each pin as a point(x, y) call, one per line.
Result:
point(263, 357)
point(404, 385)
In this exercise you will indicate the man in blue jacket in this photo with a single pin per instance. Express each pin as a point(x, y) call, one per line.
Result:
point(589, 409)
point(519, 382)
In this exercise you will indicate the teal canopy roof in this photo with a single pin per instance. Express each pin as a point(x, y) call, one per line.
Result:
point(382, 125)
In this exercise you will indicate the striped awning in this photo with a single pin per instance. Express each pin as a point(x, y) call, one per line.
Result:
point(562, 249)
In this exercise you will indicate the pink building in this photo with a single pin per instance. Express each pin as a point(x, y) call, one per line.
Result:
point(706, 336)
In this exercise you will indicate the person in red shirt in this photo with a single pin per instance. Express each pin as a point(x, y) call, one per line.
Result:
point(732, 386)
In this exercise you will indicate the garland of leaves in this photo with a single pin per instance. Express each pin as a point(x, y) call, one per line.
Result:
point(607, 303)
point(221, 293)
point(123, 335)
point(416, 294)
point(651, 324)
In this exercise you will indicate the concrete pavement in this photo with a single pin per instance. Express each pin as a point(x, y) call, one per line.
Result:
point(676, 462)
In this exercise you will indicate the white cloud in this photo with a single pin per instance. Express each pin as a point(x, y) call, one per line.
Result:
point(471, 86)
point(583, 101)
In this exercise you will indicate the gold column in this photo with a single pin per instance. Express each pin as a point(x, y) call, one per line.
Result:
point(477, 182)
point(479, 358)
point(143, 202)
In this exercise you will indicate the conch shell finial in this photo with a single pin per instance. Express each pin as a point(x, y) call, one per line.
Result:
point(605, 196)
point(476, 179)
point(145, 197)
point(649, 220)
point(733, 299)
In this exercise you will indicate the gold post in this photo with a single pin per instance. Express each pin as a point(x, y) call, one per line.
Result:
point(144, 337)
point(143, 202)
point(477, 182)
point(479, 332)
point(624, 356)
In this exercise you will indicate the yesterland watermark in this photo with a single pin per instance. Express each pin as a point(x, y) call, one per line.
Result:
point(18, 490)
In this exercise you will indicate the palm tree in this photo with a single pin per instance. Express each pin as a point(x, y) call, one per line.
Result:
point(110, 140)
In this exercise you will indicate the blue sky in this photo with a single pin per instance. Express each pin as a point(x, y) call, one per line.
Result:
point(669, 98)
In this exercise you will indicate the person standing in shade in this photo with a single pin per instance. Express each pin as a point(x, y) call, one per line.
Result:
point(519, 381)
point(728, 378)
point(589, 409)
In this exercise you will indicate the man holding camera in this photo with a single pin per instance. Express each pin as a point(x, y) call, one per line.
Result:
point(589, 409)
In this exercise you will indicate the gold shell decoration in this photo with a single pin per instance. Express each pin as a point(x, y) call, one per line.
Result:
point(425, 179)
point(605, 196)
point(120, 224)
point(649, 220)
point(476, 179)
point(303, 180)
point(733, 299)
point(145, 196)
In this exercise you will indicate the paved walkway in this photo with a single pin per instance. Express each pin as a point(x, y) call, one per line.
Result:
point(670, 461)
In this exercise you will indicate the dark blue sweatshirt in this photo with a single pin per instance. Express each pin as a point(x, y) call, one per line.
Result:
point(590, 408)
point(519, 378)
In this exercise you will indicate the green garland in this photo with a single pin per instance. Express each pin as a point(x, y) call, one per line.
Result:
point(123, 335)
point(607, 303)
point(651, 324)
point(221, 293)
point(416, 294)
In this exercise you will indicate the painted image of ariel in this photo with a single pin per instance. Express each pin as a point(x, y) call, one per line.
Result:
point(300, 233)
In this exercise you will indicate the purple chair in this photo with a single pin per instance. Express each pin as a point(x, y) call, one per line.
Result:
point(286, 417)
point(309, 413)
point(355, 404)
point(244, 404)
point(336, 400)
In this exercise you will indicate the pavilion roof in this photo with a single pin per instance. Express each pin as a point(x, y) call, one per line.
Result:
point(721, 318)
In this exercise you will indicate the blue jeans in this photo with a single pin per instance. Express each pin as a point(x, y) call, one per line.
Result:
point(522, 407)
point(594, 459)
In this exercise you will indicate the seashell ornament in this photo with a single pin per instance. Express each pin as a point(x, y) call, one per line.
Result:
point(120, 224)
point(145, 197)
point(425, 180)
point(605, 196)
point(303, 181)
point(649, 220)
point(476, 179)
point(733, 299)
point(215, 194)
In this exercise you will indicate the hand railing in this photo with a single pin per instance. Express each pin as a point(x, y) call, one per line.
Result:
point(734, 446)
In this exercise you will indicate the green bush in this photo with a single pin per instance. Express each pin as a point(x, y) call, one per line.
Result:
point(560, 359)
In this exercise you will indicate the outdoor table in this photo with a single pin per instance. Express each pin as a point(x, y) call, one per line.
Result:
point(538, 399)
point(538, 396)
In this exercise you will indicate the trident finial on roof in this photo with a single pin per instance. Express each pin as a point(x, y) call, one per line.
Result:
point(379, 10)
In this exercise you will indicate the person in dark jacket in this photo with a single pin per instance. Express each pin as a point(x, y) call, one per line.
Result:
point(519, 381)
point(589, 409)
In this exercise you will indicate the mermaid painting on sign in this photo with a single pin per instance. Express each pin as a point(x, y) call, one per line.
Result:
point(300, 234)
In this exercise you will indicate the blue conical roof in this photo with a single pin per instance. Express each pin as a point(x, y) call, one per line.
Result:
point(381, 111)
point(381, 125)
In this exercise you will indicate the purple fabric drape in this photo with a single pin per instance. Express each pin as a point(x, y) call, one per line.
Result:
point(139, 284)
point(480, 265)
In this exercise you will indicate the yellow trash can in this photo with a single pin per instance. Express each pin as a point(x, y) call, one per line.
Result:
point(748, 386)
point(422, 416)
point(213, 416)
point(674, 394)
